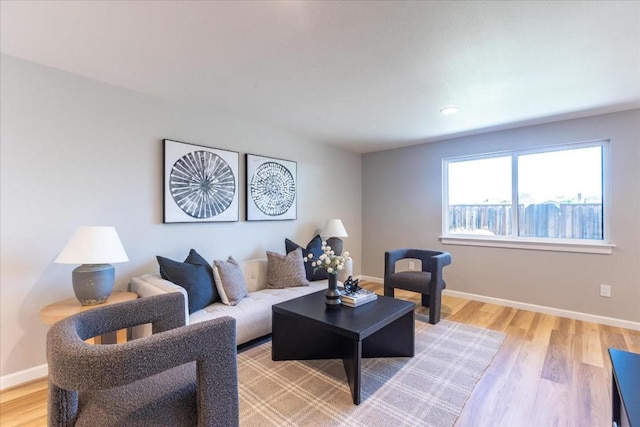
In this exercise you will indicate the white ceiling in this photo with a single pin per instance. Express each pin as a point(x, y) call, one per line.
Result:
point(366, 76)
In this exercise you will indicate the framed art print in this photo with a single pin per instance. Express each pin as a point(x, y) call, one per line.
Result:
point(200, 183)
point(271, 188)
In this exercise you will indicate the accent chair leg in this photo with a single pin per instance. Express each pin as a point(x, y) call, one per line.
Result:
point(425, 300)
point(434, 307)
point(388, 292)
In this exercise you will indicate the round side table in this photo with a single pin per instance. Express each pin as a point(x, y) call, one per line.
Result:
point(70, 306)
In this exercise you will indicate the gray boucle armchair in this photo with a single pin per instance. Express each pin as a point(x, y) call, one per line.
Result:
point(429, 281)
point(180, 375)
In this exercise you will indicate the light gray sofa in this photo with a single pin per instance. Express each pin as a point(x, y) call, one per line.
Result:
point(252, 313)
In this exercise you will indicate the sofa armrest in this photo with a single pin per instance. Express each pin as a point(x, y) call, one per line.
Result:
point(152, 284)
point(149, 285)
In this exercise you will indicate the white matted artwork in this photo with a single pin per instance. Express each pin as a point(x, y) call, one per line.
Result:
point(200, 183)
point(271, 188)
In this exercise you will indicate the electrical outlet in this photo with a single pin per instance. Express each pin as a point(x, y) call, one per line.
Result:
point(412, 265)
point(605, 291)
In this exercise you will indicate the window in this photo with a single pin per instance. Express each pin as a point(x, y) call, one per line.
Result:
point(542, 197)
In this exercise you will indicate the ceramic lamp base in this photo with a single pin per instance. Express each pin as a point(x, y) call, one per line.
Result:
point(93, 283)
point(336, 245)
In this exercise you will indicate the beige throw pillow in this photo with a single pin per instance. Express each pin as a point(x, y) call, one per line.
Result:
point(284, 271)
point(230, 281)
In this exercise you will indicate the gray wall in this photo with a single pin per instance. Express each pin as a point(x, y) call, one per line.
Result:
point(78, 152)
point(402, 199)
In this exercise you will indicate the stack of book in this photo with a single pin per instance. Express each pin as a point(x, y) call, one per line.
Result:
point(355, 299)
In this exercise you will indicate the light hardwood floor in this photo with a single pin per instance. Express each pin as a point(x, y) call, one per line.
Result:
point(550, 371)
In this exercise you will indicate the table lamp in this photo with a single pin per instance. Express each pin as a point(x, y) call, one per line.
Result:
point(94, 248)
point(333, 229)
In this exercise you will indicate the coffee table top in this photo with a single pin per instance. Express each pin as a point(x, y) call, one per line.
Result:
point(353, 322)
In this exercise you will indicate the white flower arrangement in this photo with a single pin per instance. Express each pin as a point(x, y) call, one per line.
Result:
point(328, 261)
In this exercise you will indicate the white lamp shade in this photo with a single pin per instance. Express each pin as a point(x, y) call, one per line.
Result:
point(93, 245)
point(334, 228)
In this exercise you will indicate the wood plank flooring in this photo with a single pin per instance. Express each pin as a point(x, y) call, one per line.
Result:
point(550, 371)
point(24, 405)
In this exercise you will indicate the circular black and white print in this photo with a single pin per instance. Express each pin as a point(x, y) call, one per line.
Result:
point(273, 188)
point(202, 184)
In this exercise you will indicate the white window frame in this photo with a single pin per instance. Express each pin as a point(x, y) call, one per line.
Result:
point(603, 246)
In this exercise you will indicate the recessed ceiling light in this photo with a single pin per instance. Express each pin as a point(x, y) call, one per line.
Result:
point(449, 110)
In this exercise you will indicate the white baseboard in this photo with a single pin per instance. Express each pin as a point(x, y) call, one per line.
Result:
point(603, 320)
point(24, 376)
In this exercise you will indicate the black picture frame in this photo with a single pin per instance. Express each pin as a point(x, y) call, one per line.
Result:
point(200, 183)
point(271, 188)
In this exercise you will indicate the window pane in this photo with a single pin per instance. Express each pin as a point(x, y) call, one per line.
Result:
point(479, 196)
point(560, 194)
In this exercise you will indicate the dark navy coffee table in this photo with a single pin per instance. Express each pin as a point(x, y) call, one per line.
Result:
point(303, 329)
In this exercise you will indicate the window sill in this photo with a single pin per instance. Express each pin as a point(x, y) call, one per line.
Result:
point(589, 247)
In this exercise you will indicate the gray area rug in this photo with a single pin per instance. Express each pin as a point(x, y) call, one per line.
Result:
point(429, 389)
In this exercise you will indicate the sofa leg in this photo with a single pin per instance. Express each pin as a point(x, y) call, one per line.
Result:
point(434, 307)
point(388, 292)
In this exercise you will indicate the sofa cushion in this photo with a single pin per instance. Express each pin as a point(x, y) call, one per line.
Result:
point(416, 281)
point(314, 248)
point(195, 258)
point(255, 273)
point(192, 277)
point(229, 281)
point(284, 271)
point(253, 313)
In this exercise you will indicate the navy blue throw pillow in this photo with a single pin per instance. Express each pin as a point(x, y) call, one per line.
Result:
point(197, 259)
point(314, 247)
point(193, 278)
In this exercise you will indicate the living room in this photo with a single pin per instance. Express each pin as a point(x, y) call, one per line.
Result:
point(83, 119)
